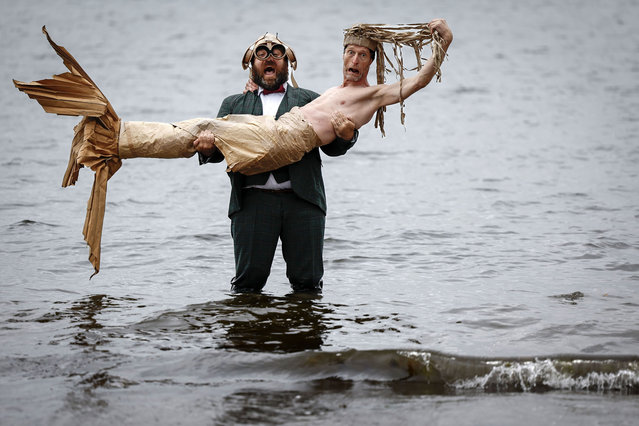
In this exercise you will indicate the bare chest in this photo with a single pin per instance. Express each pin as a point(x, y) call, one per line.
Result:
point(355, 102)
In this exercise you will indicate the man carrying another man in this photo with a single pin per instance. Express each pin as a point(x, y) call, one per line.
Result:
point(258, 215)
point(288, 203)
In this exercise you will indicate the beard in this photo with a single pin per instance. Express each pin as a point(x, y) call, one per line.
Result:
point(281, 77)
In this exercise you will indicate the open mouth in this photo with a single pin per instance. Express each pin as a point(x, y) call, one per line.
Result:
point(269, 71)
point(353, 71)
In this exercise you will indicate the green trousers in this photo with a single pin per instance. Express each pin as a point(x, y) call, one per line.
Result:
point(265, 218)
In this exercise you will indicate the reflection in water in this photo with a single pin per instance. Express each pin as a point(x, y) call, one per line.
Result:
point(244, 322)
point(259, 323)
point(83, 314)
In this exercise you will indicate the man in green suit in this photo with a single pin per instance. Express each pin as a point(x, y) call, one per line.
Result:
point(288, 204)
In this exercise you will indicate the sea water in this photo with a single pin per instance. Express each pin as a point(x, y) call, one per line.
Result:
point(482, 261)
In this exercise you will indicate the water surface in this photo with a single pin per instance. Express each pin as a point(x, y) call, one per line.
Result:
point(481, 262)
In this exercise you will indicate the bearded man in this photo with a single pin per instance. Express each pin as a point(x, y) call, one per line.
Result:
point(287, 204)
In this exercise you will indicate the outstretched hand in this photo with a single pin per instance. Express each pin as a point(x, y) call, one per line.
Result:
point(343, 126)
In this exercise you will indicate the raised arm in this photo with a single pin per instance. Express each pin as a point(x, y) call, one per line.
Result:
point(390, 94)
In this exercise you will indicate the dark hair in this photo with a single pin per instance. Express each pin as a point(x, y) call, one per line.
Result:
point(370, 50)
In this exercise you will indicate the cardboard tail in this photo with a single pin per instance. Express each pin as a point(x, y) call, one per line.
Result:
point(95, 143)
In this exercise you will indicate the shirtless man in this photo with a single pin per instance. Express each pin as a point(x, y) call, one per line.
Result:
point(359, 101)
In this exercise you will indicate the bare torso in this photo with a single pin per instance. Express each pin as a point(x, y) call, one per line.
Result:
point(357, 103)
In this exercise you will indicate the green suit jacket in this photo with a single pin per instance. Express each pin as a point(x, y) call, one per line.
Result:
point(306, 174)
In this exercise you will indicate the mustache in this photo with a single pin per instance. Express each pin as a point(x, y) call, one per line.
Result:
point(281, 77)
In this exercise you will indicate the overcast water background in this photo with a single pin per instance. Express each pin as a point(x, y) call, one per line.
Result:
point(482, 262)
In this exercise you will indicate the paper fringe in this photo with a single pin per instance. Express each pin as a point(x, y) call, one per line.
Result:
point(415, 36)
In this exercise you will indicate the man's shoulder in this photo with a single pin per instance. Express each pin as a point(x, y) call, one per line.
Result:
point(240, 103)
point(303, 93)
point(238, 97)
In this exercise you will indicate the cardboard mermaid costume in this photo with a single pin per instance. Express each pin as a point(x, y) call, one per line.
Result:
point(250, 144)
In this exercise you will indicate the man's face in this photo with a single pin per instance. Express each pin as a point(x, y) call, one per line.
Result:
point(357, 61)
point(270, 73)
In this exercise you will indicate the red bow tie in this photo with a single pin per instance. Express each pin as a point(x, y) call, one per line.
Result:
point(278, 90)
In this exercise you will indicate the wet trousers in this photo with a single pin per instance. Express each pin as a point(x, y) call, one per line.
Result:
point(266, 218)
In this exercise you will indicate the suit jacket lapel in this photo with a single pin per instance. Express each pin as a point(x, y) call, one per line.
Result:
point(255, 105)
point(290, 98)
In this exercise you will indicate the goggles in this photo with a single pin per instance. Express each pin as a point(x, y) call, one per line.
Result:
point(277, 52)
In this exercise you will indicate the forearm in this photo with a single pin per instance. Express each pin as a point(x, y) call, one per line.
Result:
point(400, 91)
point(421, 80)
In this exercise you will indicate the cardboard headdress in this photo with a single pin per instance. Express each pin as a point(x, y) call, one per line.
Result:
point(269, 40)
point(415, 36)
point(360, 41)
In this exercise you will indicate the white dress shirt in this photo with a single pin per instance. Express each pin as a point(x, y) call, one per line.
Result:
point(270, 105)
